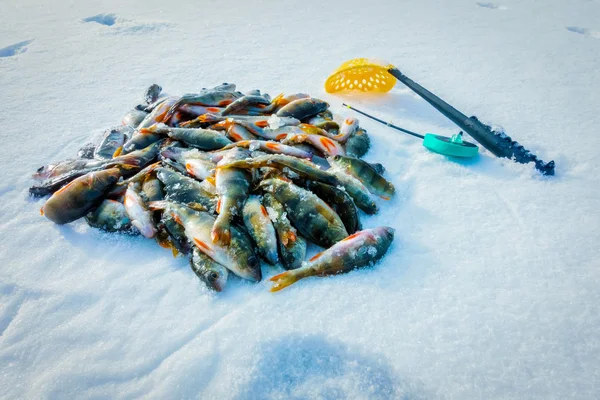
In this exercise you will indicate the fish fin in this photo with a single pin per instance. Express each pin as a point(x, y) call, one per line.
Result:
point(313, 258)
point(42, 211)
point(117, 152)
point(281, 136)
point(221, 233)
point(283, 280)
point(197, 206)
point(167, 243)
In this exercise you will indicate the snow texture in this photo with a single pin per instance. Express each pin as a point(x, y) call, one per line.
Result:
point(490, 289)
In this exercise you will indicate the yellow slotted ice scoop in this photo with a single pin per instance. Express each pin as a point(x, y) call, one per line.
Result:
point(362, 74)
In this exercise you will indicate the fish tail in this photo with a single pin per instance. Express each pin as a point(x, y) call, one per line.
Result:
point(284, 280)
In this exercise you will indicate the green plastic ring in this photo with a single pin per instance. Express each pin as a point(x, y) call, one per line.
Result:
point(446, 146)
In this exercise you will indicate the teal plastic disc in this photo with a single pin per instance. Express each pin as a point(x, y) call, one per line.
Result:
point(454, 146)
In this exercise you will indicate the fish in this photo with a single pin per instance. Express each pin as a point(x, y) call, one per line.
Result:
point(270, 146)
point(239, 256)
point(366, 174)
point(291, 246)
point(285, 100)
point(238, 133)
point(324, 144)
point(53, 184)
point(233, 186)
point(323, 122)
point(195, 111)
point(358, 144)
point(313, 218)
point(144, 138)
point(181, 189)
point(362, 249)
point(213, 274)
point(211, 98)
point(359, 193)
point(315, 130)
point(195, 163)
point(158, 113)
point(303, 108)
point(138, 158)
point(111, 140)
point(140, 215)
point(304, 168)
point(348, 128)
point(77, 198)
point(339, 200)
point(152, 93)
point(110, 216)
point(259, 226)
point(203, 139)
point(176, 233)
point(66, 166)
point(152, 188)
point(134, 118)
point(248, 104)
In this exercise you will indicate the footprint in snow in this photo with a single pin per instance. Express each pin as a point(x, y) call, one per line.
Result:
point(583, 31)
point(15, 49)
point(118, 25)
point(491, 6)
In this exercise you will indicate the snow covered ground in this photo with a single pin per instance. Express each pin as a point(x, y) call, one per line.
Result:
point(491, 289)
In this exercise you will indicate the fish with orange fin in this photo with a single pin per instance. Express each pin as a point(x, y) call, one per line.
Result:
point(366, 174)
point(324, 144)
point(323, 121)
point(74, 200)
point(247, 105)
point(213, 274)
point(138, 212)
point(362, 249)
point(313, 218)
point(196, 163)
point(303, 108)
point(292, 246)
point(304, 168)
point(239, 256)
point(210, 98)
point(348, 128)
point(259, 226)
point(233, 186)
point(158, 113)
point(270, 146)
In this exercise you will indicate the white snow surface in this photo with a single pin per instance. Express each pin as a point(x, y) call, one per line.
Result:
point(490, 289)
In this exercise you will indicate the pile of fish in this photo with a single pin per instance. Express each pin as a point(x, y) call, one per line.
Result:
point(228, 179)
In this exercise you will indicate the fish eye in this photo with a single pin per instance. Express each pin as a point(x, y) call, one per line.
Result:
point(213, 276)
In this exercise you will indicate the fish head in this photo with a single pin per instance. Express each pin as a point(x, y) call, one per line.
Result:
point(216, 279)
point(253, 265)
point(42, 172)
point(385, 232)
